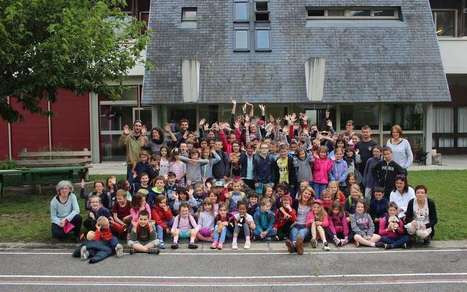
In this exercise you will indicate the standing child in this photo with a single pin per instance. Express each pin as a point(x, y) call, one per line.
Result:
point(264, 221)
point(121, 218)
point(369, 179)
point(303, 162)
point(244, 223)
point(163, 217)
point(391, 230)
point(285, 217)
point(184, 227)
point(338, 229)
point(143, 236)
point(386, 172)
point(362, 226)
point(339, 169)
point(317, 220)
point(220, 228)
point(143, 166)
point(164, 163)
point(193, 167)
point(206, 220)
point(177, 167)
point(322, 166)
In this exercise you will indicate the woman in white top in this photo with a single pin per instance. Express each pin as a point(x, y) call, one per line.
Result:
point(401, 195)
point(401, 150)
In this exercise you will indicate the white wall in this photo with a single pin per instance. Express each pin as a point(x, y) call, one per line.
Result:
point(454, 55)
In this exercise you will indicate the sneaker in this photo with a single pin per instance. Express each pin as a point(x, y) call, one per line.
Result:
point(290, 246)
point(313, 243)
point(344, 241)
point(404, 246)
point(119, 250)
point(337, 241)
point(153, 250)
point(219, 246)
point(299, 246)
point(214, 245)
point(234, 245)
point(247, 244)
point(84, 253)
point(174, 246)
point(326, 246)
point(194, 246)
point(162, 245)
point(379, 244)
point(132, 250)
point(426, 242)
point(388, 246)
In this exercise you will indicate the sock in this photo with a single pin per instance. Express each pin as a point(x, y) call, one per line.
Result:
point(247, 238)
point(175, 239)
point(234, 240)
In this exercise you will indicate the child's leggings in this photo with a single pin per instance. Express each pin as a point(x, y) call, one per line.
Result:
point(396, 242)
point(245, 228)
point(219, 237)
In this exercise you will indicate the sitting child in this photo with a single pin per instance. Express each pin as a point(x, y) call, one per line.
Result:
point(243, 223)
point(206, 220)
point(121, 218)
point(355, 196)
point(157, 190)
point(220, 229)
point(138, 204)
point(182, 196)
point(362, 226)
point(338, 229)
point(282, 192)
point(264, 221)
point(184, 226)
point(391, 230)
point(163, 217)
point(317, 220)
point(143, 235)
point(235, 196)
point(252, 203)
point(96, 211)
point(285, 217)
point(378, 205)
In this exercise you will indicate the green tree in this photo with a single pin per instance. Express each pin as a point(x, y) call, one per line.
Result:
point(74, 44)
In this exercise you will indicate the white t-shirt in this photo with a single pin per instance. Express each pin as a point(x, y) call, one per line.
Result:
point(402, 200)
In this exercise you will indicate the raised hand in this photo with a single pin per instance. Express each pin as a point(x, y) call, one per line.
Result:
point(126, 130)
point(144, 130)
point(167, 128)
point(293, 118)
point(82, 184)
point(202, 122)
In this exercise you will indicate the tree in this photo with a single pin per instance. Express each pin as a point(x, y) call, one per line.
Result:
point(78, 45)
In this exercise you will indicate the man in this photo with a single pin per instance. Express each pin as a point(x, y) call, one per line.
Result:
point(221, 168)
point(364, 147)
point(247, 167)
point(182, 135)
point(133, 141)
point(348, 130)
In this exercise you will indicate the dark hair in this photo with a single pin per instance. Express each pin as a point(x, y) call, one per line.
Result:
point(376, 147)
point(99, 182)
point(366, 127)
point(160, 198)
point(143, 213)
point(404, 179)
point(136, 200)
point(171, 174)
point(183, 205)
point(386, 148)
point(421, 187)
point(184, 120)
point(337, 205)
point(393, 205)
point(362, 201)
point(241, 203)
point(282, 186)
point(252, 195)
point(378, 189)
point(144, 174)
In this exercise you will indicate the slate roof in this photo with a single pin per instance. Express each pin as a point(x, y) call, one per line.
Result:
point(366, 61)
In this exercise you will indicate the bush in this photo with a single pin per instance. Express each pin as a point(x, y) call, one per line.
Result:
point(7, 164)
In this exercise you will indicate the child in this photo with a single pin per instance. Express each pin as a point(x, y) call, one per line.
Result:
point(184, 226)
point(326, 200)
point(322, 166)
point(163, 217)
point(336, 194)
point(391, 230)
point(143, 236)
point(353, 162)
point(338, 229)
point(157, 190)
point(121, 214)
point(213, 199)
point(362, 226)
point(303, 162)
point(220, 229)
point(352, 200)
point(269, 193)
point(349, 182)
point(252, 203)
point(285, 217)
point(184, 196)
point(96, 211)
point(299, 231)
point(143, 184)
point(386, 172)
point(340, 168)
point(264, 221)
point(378, 205)
point(164, 163)
point(143, 166)
point(199, 195)
point(193, 167)
point(282, 192)
point(98, 191)
point(178, 167)
point(111, 192)
point(126, 186)
point(139, 204)
point(206, 220)
point(303, 185)
point(104, 234)
point(244, 222)
point(317, 220)
point(235, 196)
point(171, 188)
point(369, 180)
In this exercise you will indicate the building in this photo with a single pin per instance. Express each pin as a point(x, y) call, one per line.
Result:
point(376, 62)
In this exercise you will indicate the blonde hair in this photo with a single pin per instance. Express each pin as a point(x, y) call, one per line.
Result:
point(102, 220)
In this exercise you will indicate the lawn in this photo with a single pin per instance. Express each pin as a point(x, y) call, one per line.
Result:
point(26, 217)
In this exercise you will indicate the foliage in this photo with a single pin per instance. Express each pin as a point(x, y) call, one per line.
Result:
point(7, 164)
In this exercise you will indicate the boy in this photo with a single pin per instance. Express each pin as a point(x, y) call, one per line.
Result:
point(171, 188)
point(244, 222)
point(386, 171)
point(378, 205)
point(158, 189)
point(143, 236)
point(97, 210)
point(143, 166)
point(264, 221)
point(252, 203)
point(121, 214)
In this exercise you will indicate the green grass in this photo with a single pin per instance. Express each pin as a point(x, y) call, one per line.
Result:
point(27, 217)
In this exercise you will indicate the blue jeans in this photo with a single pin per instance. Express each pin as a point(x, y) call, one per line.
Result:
point(160, 231)
point(398, 242)
point(318, 188)
point(299, 230)
point(272, 232)
point(220, 237)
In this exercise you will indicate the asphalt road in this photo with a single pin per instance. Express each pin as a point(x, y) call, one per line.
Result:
point(364, 269)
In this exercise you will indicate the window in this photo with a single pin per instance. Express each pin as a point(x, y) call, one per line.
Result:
point(261, 11)
point(445, 22)
point(189, 17)
point(241, 39)
point(361, 115)
point(263, 40)
point(241, 10)
point(353, 13)
point(465, 22)
point(408, 116)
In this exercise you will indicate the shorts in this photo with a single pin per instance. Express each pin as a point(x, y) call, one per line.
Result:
point(185, 234)
point(206, 231)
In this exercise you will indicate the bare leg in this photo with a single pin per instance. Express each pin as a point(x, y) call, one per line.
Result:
point(321, 233)
point(175, 234)
point(140, 248)
point(313, 231)
point(193, 233)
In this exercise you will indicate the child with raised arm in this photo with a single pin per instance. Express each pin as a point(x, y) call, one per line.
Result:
point(193, 167)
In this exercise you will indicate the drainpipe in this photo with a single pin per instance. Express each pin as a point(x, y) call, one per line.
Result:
point(10, 156)
point(49, 120)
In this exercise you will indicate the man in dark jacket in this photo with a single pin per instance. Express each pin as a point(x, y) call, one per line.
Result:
point(386, 171)
point(247, 166)
point(263, 165)
point(221, 168)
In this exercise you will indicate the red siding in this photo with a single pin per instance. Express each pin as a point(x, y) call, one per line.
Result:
point(31, 132)
point(3, 140)
point(70, 121)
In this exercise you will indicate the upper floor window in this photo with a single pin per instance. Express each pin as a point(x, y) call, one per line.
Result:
point(189, 17)
point(242, 9)
point(353, 13)
point(261, 10)
point(445, 22)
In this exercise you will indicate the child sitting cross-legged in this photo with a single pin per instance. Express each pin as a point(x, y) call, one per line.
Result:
point(362, 226)
point(285, 217)
point(143, 235)
point(206, 218)
point(184, 226)
point(391, 230)
point(243, 223)
point(163, 217)
point(264, 221)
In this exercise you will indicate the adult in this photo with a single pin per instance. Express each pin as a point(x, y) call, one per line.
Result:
point(401, 150)
point(64, 212)
point(401, 195)
point(220, 169)
point(365, 147)
point(247, 168)
point(421, 215)
point(182, 135)
point(156, 140)
point(133, 141)
point(349, 130)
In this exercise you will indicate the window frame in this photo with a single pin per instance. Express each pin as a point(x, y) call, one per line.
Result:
point(263, 28)
point(347, 16)
point(456, 24)
point(244, 29)
point(248, 11)
point(262, 12)
point(191, 18)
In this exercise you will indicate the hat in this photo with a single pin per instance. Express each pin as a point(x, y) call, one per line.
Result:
point(318, 201)
point(219, 183)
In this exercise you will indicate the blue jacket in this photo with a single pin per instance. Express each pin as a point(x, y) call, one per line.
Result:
point(339, 171)
point(264, 221)
point(378, 208)
point(264, 168)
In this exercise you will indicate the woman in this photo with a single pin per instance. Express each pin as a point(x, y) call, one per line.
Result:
point(156, 141)
point(401, 195)
point(64, 212)
point(401, 150)
point(421, 215)
point(300, 231)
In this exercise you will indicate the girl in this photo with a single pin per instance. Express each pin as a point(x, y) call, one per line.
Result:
point(341, 143)
point(98, 191)
point(338, 229)
point(303, 185)
point(126, 186)
point(111, 191)
point(321, 169)
point(369, 180)
point(336, 194)
point(184, 226)
point(353, 162)
point(213, 157)
point(184, 196)
point(349, 182)
point(401, 195)
point(317, 220)
point(235, 196)
point(213, 199)
point(326, 200)
point(362, 226)
point(164, 162)
point(269, 193)
point(193, 167)
point(285, 217)
point(206, 219)
point(121, 217)
point(178, 167)
point(282, 192)
point(340, 168)
point(235, 166)
point(163, 217)
point(351, 202)
point(299, 231)
point(137, 205)
point(243, 222)
point(391, 230)
point(220, 229)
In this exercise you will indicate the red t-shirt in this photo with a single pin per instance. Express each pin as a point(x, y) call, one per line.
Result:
point(122, 212)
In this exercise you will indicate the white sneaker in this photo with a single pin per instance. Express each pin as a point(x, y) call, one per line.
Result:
point(247, 244)
point(234, 245)
point(119, 250)
point(84, 253)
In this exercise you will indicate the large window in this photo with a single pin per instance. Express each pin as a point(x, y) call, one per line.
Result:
point(445, 22)
point(361, 115)
point(408, 116)
point(376, 13)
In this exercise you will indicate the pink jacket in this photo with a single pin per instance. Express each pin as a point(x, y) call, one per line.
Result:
point(135, 214)
point(339, 224)
point(310, 218)
point(321, 170)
